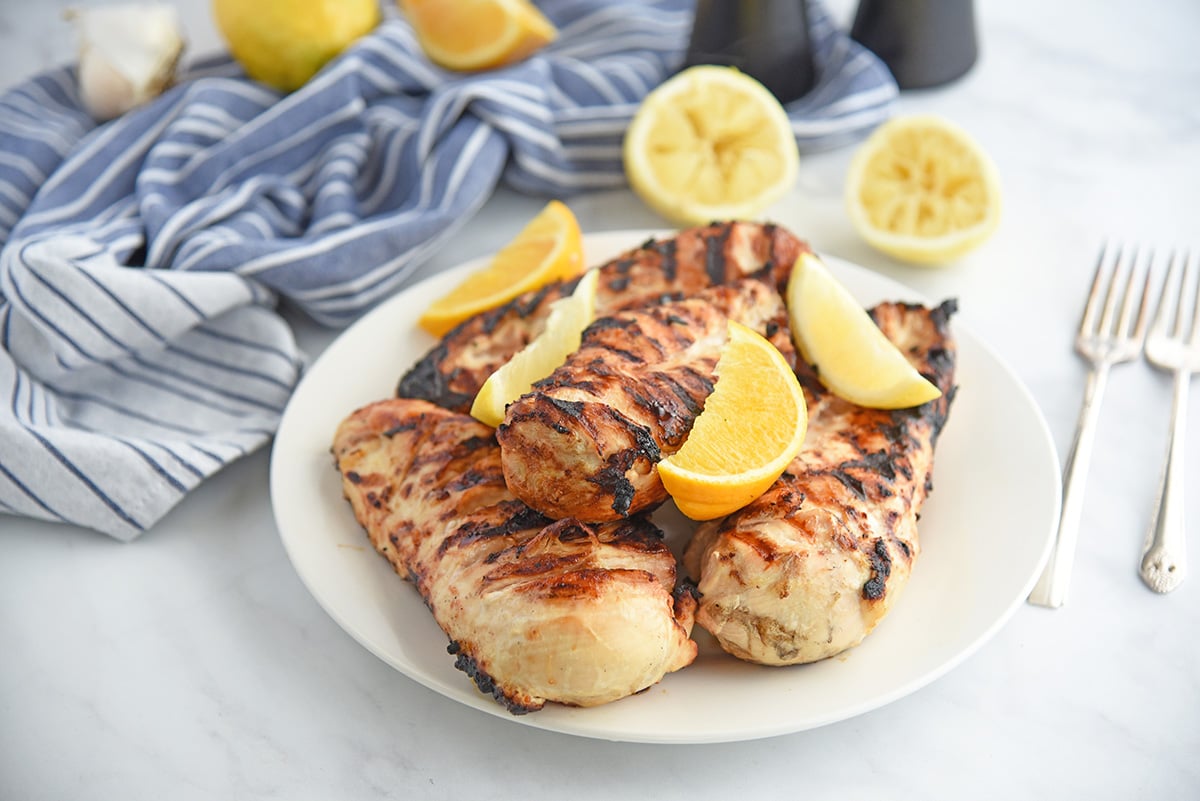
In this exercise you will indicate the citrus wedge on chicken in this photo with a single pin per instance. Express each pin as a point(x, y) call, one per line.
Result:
point(548, 350)
point(923, 190)
point(548, 248)
point(469, 35)
point(752, 426)
point(710, 143)
point(835, 334)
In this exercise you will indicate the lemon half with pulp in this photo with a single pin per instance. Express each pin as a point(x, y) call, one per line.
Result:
point(923, 190)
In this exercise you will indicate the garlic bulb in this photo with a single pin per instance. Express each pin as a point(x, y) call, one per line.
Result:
point(127, 55)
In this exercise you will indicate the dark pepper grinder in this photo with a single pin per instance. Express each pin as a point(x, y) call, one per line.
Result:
point(925, 43)
point(766, 39)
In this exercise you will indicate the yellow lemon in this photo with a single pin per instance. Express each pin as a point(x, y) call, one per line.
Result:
point(283, 43)
point(752, 426)
point(478, 34)
point(548, 350)
point(711, 143)
point(834, 333)
point(548, 248)
point(922, 189)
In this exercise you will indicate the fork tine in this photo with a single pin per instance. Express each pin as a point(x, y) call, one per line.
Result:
point(1110, 299)
point(1087, 324)
point(1124, 327)
point(1139, 328)
point(1165, 308)
point(1194, 335)
point(1177, 325)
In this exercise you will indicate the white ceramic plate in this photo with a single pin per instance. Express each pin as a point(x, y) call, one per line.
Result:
point(985, 533)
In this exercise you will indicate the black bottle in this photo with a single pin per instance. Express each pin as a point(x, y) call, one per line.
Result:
point(766, 39)
point(924, 43)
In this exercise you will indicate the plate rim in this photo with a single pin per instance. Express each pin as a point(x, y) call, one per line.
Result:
point(466, 694)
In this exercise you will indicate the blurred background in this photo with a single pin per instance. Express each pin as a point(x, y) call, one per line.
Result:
point(36, 36)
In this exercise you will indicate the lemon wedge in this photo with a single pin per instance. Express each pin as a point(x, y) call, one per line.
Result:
point(752, 426)
point(548, 350)
point(923, 190)
point(853, 358)
point(470, 35)
point(711, 143)
point(548, 248)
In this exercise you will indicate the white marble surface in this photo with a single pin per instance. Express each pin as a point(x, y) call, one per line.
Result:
point(193, 664)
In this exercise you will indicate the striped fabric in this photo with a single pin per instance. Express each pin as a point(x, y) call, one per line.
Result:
point(142, 260)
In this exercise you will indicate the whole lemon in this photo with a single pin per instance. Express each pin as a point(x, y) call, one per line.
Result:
point(283, 43)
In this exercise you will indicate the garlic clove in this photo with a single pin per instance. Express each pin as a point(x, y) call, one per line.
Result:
point(128, 54)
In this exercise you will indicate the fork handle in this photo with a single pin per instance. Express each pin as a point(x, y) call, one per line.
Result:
point(1164, 562)
point(1051, 589)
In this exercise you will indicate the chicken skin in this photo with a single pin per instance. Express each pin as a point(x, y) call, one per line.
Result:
point(452, 373)
point(809, 568)
point(536, 610)
point(584, 442)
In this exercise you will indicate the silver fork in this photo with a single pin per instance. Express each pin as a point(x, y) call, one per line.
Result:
point(1164, 559)
point(1108, 334)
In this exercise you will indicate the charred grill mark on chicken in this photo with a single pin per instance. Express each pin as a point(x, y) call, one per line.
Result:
point(585, 441)
point(535, 609)
point(451, 373)
point(809, 568)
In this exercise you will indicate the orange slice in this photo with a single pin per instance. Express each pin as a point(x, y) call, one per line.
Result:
point(548, 248)
point(472, 35)
point(752, 426)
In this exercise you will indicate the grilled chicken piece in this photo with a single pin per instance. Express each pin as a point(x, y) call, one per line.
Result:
point(584, 441)
point(808, 569)
point(535, 610)
point(451, 374)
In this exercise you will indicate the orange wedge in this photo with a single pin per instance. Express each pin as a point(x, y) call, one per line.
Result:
point(470, 35)
point(548, 248)
point(752, 426)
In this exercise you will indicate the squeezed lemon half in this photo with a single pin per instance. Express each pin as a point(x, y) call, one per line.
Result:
point(923, 190)
point(710, 143)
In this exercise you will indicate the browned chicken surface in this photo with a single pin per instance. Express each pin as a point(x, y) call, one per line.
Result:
point(452, 372)
point(536, 610)
point(585, 441)
point(808, 569)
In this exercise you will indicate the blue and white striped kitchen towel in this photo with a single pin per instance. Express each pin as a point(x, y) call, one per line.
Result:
point(142, 260)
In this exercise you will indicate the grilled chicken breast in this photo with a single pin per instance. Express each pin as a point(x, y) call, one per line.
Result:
point(536, 610)
point(585, 441)
point(808, 569)
point(451, 374)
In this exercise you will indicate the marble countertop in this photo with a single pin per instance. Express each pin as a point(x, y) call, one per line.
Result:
point(193, 664)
